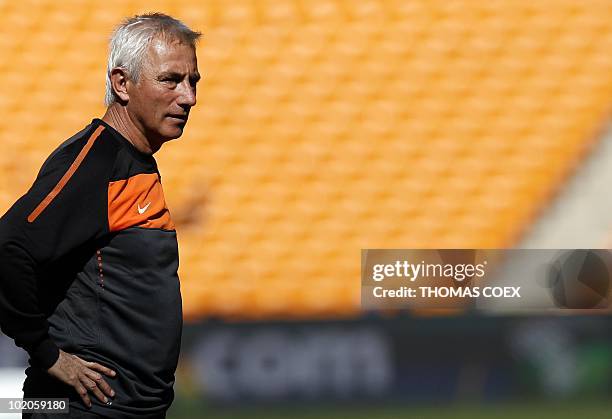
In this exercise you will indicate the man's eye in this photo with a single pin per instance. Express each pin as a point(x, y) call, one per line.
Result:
point(170, 82)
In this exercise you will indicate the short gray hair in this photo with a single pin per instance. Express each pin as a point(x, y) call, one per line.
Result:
point(131, 39)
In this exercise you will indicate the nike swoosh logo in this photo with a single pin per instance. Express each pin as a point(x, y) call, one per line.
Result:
point(143, 209)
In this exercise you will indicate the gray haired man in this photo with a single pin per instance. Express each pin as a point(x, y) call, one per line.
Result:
point(88, 279)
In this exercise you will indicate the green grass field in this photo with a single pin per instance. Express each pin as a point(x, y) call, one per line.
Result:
point(573, 410)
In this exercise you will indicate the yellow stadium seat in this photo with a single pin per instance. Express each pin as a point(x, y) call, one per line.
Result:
point(328, 126)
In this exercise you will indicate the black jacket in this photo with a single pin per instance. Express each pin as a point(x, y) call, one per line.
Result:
point(88, 264)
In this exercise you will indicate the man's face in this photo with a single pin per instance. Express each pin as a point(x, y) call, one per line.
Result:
point(159, 102)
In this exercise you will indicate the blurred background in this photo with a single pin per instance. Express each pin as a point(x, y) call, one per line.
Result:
point(325, 127)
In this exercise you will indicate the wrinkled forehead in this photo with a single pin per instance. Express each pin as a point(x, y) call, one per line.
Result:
point(170, 53)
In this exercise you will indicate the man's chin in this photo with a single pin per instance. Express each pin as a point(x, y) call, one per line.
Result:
point(174, 132)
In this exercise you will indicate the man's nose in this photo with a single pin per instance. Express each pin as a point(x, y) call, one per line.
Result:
point(187, 95)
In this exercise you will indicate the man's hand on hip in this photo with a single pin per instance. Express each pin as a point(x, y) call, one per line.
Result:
point(83, 376)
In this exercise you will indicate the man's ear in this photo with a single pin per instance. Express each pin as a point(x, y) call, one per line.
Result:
point(119, 80)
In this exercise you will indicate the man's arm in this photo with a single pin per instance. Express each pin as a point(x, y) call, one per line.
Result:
point(20, 314)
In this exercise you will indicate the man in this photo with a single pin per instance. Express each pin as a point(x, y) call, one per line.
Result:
point(88, 256)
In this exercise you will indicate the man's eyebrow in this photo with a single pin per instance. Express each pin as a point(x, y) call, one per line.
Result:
point(170, 74)
point(174, 75)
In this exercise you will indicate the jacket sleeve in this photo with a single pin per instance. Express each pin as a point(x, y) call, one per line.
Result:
point(65, 208)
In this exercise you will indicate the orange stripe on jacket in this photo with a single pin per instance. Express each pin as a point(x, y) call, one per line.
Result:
point(64, 180)
point(138, 202)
